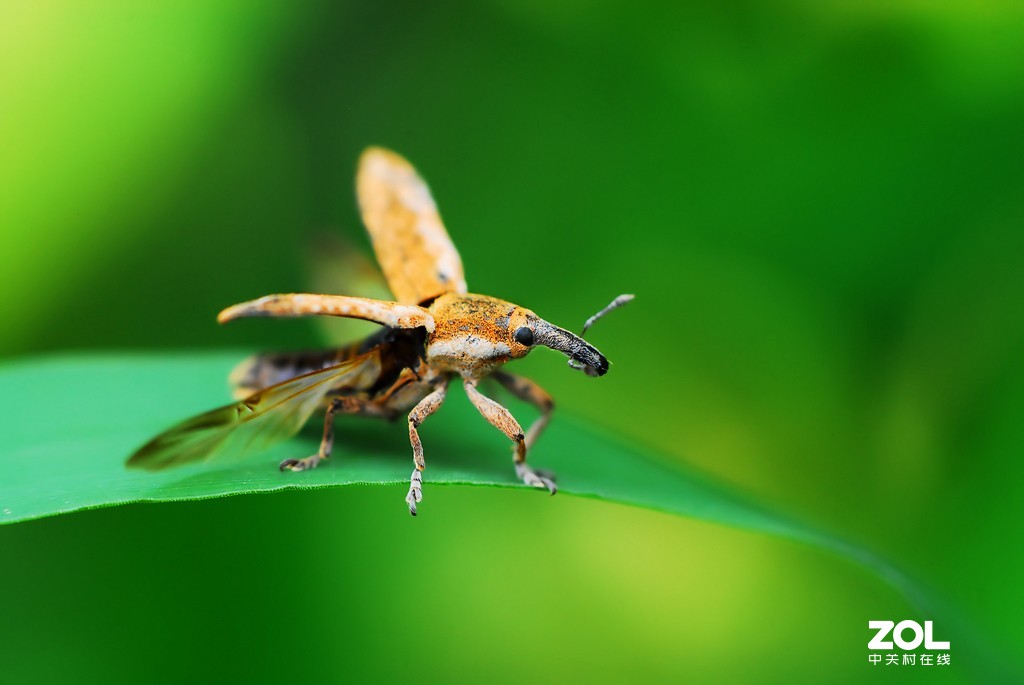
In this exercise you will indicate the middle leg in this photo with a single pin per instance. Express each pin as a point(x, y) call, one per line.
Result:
point(427, 406)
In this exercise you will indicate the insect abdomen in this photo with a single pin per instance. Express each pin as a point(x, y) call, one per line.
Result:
point(264, 370)
point(393, 350)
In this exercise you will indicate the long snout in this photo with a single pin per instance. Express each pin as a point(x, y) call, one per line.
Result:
point(581, 354)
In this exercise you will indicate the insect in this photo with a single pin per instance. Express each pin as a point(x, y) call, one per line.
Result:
point(434, 332)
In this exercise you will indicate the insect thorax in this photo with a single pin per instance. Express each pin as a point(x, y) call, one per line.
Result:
point(473, 334)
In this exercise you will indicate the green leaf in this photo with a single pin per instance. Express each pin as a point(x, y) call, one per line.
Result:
point(71, 422)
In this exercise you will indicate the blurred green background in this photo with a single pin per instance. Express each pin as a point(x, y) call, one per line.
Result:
point(819, 206)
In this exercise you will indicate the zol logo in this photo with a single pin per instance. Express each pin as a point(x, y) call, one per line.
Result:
point(899, 631)
point(918, 636)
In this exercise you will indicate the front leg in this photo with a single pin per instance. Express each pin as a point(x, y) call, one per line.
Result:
point(528, 391)
point(427, 406)
point(500, 418)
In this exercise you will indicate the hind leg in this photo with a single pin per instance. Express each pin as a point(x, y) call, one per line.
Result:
point(339, 405)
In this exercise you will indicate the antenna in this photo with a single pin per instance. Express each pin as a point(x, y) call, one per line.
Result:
point(612, 306)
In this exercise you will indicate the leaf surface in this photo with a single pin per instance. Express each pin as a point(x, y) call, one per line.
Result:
point(71, 422)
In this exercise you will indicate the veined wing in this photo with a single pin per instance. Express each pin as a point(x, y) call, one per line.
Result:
point(336, 265)
point(265, 417)
point(412, 246)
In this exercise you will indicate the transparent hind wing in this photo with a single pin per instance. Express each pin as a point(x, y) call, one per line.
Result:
point(244, 427)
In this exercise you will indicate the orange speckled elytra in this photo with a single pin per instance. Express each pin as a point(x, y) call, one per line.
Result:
point(434, 331)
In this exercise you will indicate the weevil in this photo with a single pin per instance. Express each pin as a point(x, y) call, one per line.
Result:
point(433, 332)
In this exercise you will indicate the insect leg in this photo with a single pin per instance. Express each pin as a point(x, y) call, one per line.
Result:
point(500, 418)
point(528, 391)
point(344, 405)
point(427, 406)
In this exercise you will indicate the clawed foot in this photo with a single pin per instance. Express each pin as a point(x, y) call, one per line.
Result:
point(301, 464)
point(415, 491)
point(537, 479)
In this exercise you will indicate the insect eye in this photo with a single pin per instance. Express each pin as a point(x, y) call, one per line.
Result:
point(523, 336)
